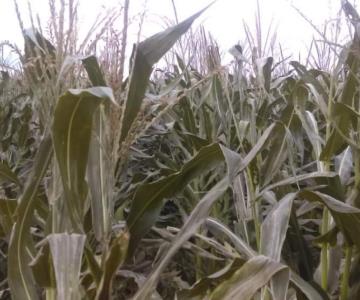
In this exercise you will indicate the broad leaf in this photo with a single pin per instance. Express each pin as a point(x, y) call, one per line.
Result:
point(346, 217)
point(99, 174)
point(148, 199)
point(72, 127)
point(273, 233)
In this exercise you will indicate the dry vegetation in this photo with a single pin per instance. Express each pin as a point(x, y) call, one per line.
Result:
point(191, 181)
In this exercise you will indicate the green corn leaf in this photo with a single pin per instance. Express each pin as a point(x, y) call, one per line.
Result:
point(148, 199)
point(201, 288)
point(346, 217)
point(21, 279)
point(252, 276)
point(147, 53)
point(99, 174)
point(197, 217)
point(72, 127)
point(7, 217)
point(277, 154)
point(7, 174)
point(115, 257)
point(273, 233)
point(274, 228)
point(247, 252)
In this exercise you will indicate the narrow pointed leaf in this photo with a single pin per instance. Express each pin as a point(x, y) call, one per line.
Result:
point(147, 53)
point(115, 256)
point(148, 199)
point(197, 217)
point(345, 167)
point(7, 174)
point(252, 276)
point(346, 217)
point(274, 228)
point(7, 211)
point(273, 233)
point(276, 156)
point(21, 279)
point(144, 213)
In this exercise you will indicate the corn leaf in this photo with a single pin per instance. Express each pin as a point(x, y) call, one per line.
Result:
point(21, 279)
point(252, 276)
point(147, 53)
point(273, 233)
point(67, 250)
point(72, 127)
point(115, 257)
point(148, 199)
point(99, 174)
point(7, 174)
point(346, 217)
point(7, 218)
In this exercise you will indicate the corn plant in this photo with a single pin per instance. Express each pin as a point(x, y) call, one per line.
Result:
point(197, 181)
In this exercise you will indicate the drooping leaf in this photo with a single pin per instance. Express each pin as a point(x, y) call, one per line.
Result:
point(305, 287)
point(39, 56)
point(346, 217)
point(311, 128)
point(344, 120)
point(310, 78)
point(300, 178)
point(247, 252)
point(148, 199)
point(144, 213)
point(252, 276)
point(21, 279)
point(203, 286)
point(197, 217)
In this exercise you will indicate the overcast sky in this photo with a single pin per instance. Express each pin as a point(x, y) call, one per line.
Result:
point(224, 19)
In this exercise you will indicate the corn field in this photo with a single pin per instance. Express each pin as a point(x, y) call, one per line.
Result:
point(186, 180)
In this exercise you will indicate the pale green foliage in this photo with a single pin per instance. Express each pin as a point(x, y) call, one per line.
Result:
point(200, 181)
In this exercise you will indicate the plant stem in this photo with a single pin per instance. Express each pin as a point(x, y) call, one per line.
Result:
point(254, 208)
point(324, 259)
point(324, 251)
point(344, 288)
